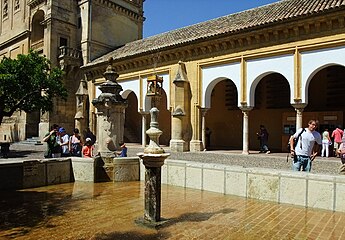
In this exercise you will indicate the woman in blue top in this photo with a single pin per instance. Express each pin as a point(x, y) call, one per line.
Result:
point(123, 152)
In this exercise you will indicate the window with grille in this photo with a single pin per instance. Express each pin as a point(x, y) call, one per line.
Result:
point(5, 9)
point(16, 5)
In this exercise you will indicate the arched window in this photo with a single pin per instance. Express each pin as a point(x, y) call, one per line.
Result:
point(37, 32)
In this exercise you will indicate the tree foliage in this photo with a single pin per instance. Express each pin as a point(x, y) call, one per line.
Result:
point(29, 83)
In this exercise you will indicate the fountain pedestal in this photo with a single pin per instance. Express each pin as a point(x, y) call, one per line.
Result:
point(110, 123)
point(153, 159)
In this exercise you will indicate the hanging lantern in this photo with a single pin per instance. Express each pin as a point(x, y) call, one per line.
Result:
point(154, 85)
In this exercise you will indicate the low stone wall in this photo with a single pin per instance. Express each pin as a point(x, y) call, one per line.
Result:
point(126, 169)
point(35, 173)
point(83, 169)
point(298, 188)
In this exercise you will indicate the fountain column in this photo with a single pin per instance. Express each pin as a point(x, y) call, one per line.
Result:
point(110, 121)
point(153, 159)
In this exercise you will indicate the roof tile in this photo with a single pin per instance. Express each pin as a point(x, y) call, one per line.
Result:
point(279, 11)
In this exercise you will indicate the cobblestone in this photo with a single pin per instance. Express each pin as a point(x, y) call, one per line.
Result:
point(20, 151)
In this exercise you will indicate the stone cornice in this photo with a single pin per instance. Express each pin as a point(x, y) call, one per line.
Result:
point(267, 36)
point(122, 10)
point(15, 38)
point(35, 3)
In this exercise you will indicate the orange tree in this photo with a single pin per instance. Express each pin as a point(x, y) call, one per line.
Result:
point(29, 83)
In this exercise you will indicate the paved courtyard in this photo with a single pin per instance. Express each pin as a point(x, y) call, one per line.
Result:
point(105, 211)
point(108, 211)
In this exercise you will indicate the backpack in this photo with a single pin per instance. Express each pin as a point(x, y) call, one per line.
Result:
point(75, 148)
point(294, 141)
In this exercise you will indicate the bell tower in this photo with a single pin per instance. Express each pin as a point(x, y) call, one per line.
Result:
point(108, 24)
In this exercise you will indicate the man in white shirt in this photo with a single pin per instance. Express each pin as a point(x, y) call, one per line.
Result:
point(307, 147)
point(64, 142)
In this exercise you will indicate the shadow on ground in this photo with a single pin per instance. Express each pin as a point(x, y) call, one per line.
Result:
point(19, 154)
point(21, 211)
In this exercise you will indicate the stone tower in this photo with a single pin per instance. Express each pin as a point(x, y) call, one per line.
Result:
point(70, 34)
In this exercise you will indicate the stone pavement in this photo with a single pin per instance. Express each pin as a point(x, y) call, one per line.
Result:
point(108, 211)
point(84, 210)
point(20, 151)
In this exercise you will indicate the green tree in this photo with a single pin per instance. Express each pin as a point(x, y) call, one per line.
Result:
point(29, 83)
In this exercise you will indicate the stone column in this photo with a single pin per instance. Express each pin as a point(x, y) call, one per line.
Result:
point(196, 144)
point(299, 108)
point(143, 127)
point(203, 126)
point(245, 111)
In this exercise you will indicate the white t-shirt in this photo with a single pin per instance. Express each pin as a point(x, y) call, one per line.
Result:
point(307, 141)
point(65, 139)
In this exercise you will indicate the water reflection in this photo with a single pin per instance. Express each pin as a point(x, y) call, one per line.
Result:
point(108, 210)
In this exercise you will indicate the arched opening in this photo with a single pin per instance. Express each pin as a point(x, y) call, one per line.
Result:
point(326, 92)
point(224, 118)
point(132, 131)
point(37, 31)
point(164, 117)
point(272, 109)
point(164, 120)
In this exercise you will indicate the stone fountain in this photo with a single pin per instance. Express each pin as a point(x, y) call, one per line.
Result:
point(153, 159)
point(110, 121)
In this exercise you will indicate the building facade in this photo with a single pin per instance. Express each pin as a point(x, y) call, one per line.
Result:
point(279, 65)
point(71, 33)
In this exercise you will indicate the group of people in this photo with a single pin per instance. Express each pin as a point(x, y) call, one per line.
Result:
point(305, 144)
point(60, 144)
point(337, 135)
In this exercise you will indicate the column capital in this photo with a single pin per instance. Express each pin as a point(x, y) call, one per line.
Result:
point(203, 111)
point(245, 109)
point(299, 106)
point(144, 113)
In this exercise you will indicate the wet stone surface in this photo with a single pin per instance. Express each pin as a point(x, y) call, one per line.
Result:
point(108, 211)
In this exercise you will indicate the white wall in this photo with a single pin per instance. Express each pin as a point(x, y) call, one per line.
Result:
point(313, 61)
point(259, 68)
point(214, 74)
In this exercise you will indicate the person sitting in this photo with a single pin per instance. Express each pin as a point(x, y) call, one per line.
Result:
point(123, 152)
point(88, 148)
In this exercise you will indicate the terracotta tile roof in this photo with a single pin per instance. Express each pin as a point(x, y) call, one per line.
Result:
point(275, 12)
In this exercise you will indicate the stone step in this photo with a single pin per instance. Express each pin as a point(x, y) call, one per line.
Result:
point(32, 140)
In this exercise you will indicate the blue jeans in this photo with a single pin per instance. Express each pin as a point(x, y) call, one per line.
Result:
point(303, 162)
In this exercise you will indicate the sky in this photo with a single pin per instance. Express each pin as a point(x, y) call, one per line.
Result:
point(165, 15)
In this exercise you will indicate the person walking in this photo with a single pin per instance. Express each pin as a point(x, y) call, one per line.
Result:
point(337, 135)
point(263, 137)
point(326, 141)
point(307, 147)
